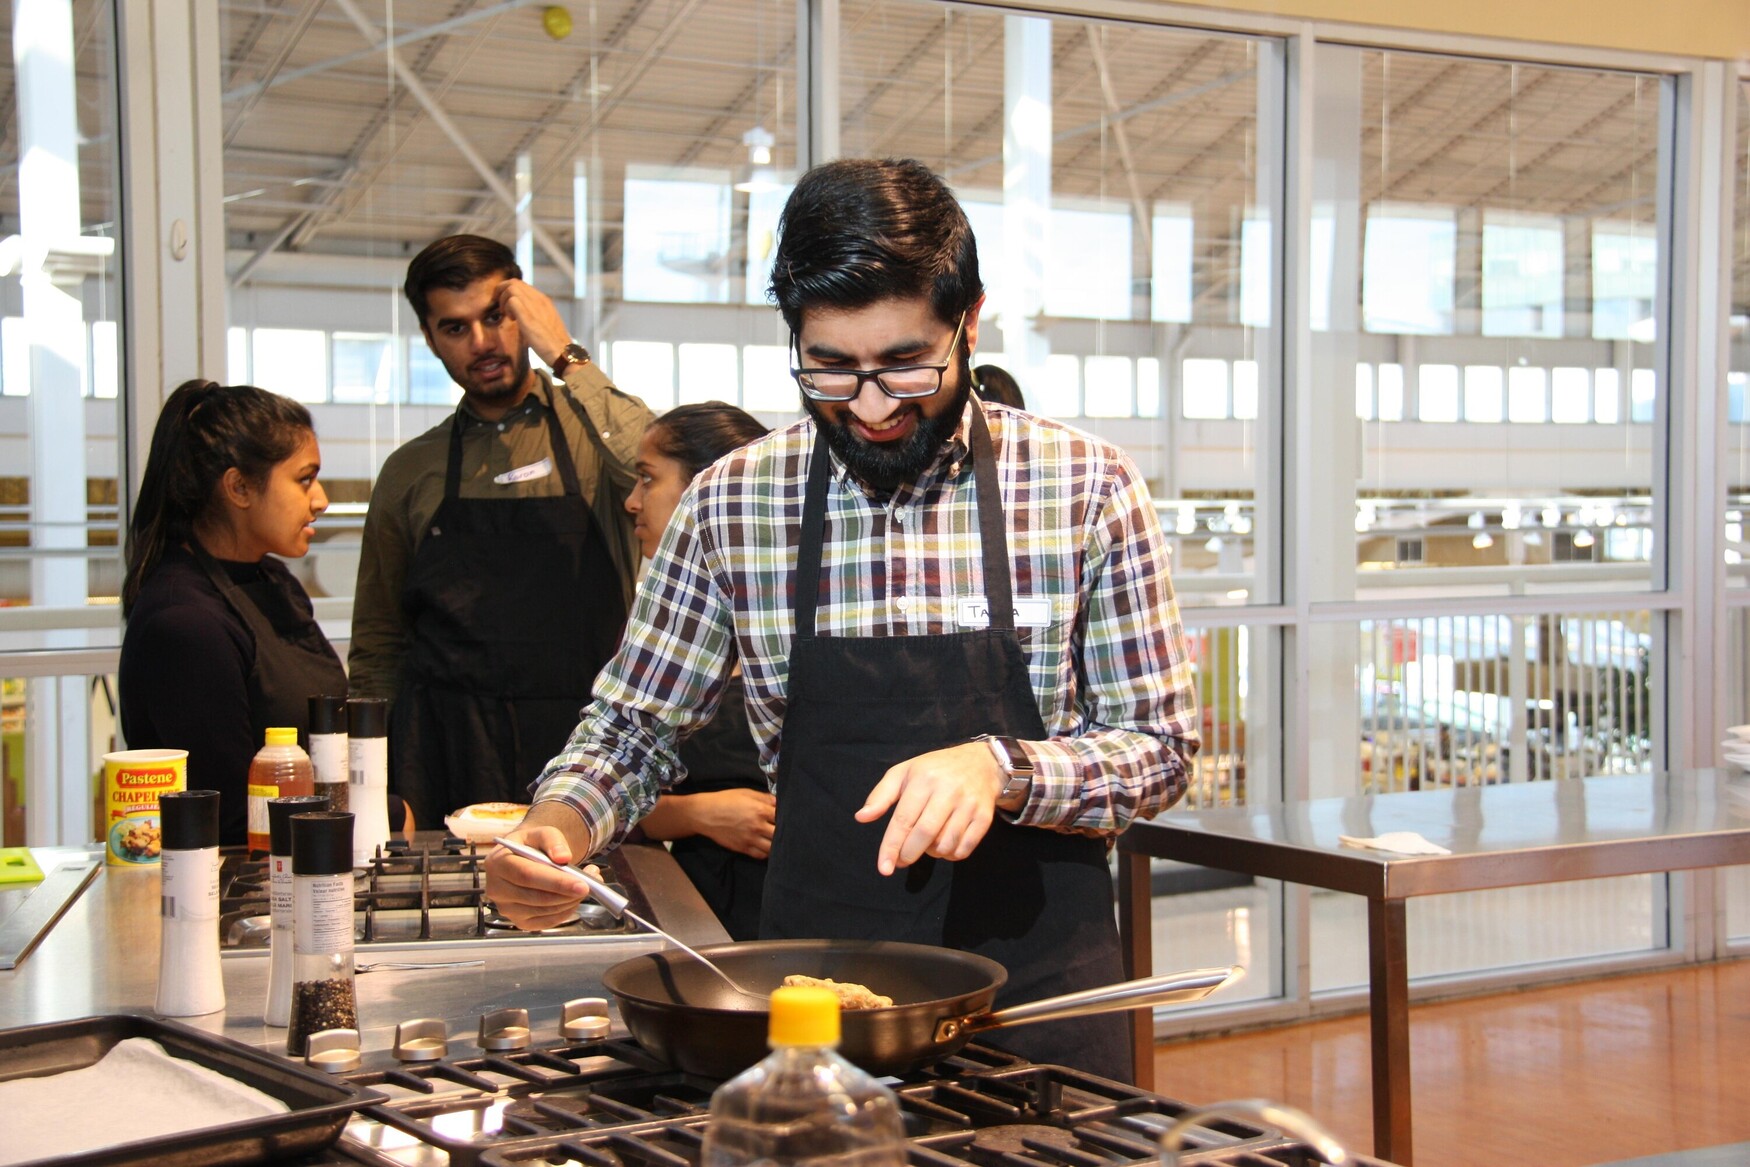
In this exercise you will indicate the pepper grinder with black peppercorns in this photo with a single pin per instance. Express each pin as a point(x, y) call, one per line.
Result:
point(323, 995)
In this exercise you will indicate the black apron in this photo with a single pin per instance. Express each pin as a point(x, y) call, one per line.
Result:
point(512, 605)
point(722, 755)
point(1037, 901)
point(293, 662)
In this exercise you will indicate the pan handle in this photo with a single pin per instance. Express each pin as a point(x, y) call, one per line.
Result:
point(1166, 989)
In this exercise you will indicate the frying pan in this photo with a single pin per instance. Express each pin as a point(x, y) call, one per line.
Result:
point(686, 1016)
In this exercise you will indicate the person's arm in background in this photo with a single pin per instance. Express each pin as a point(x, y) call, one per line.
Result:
point(739, 819)
point(379, 635)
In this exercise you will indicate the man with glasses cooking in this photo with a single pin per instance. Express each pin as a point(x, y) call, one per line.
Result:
point(961, 653)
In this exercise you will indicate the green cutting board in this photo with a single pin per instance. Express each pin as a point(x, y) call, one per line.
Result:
point(17, 866)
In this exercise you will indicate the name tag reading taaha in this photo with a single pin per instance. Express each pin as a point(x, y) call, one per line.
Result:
point(524, 473)
point(1030, 612)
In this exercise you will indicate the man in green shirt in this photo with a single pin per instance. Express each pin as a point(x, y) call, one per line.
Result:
point(498, 557)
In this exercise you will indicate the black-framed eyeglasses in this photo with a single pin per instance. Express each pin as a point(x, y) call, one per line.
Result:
point(901, 381)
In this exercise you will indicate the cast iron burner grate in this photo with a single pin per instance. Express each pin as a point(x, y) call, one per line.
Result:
point(608, 1103)
point(407, 892)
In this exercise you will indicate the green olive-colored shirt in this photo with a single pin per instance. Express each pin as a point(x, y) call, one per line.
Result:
point(410, 488)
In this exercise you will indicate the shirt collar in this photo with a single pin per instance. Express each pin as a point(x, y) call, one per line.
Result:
point(539, 398)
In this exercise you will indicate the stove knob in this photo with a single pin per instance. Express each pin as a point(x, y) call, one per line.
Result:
point(504, 1029)
point(585, 1019)
point(424, 1040)
point(333, 1051)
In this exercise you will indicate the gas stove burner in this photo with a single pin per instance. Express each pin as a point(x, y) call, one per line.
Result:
point(494, 922)
point(997, 1141)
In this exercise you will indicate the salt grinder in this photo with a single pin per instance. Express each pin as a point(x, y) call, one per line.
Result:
point(278, 1011)
point(323, 995)
point(367, 747)
point(189, 981)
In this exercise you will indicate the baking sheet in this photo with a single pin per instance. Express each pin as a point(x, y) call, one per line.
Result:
point(318, 1105)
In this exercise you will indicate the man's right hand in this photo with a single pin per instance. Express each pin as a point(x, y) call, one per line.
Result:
point(532, 895)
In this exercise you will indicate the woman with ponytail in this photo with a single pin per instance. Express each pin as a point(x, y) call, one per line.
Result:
point(221, 640)
point(719, 820)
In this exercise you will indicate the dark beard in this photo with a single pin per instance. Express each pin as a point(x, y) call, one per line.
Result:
point(885, 466)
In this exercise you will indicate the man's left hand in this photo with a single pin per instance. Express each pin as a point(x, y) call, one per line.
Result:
point(537, 318)
point(942, 804)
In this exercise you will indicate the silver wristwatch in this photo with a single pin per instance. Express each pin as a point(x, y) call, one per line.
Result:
point(1016, 764)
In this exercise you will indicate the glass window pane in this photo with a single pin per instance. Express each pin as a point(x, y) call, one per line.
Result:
point(1087, 271)
point(292, 362)
point(1364, 408)
point(648, 364)
point(1526, 401)
point(1606, 396)
point(677, 235)
point(764, 205)
point(1171, 282)
point(428, 382)
point(1148, 387)
point(1245, 385)
point(1109, 390)
point(765, 377)
point(1625, 269)
point(1203, 388)
point(1059, 386)
point(1391, 392)
point(1409, 254)
point(364, 367)
point(1437, 393)
point(1522, 274)
point(1482, 393)
point(105, 359)
point(1641, 386)
point(237, 356)
point(1570, 395)
point(708, 373)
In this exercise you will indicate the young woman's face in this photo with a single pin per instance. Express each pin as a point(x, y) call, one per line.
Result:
point(280, 519)
point(661, 480)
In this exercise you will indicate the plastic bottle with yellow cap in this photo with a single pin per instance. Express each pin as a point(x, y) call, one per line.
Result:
point(279, 769)
point(804, 1104)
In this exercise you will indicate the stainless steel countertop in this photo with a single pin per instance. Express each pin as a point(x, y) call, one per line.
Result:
point(1500, 836)
point(102, 957)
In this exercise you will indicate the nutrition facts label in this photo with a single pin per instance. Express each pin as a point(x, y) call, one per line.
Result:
point(323, 914)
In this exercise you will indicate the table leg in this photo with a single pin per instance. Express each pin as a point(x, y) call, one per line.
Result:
point(1389, 997)
point(1136, 937)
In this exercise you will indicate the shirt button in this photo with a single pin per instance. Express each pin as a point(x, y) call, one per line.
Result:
point(501, 427)
point(904, 603)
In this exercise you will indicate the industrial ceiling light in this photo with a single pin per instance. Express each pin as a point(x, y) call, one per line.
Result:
point(761, 176)
point(1583, 538)
point(1481, 540)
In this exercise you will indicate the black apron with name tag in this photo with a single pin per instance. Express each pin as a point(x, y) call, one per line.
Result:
point(1037, 901)
point(512, 606)
point(293, 662)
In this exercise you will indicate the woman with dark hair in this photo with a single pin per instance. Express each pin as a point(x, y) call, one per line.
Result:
point(221, 640)
point(721, 826)
point(994, 383)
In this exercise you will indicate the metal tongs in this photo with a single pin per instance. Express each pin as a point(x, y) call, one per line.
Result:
point(616, 903)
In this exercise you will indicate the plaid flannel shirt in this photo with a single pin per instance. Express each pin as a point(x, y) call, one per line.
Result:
point(1110, 671)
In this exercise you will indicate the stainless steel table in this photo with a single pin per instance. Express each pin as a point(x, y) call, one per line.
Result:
point(1500, 836)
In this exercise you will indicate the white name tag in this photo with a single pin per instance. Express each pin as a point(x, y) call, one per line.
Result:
point(1030, 612)
point(524, 473)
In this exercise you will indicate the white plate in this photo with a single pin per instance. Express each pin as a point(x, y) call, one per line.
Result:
point(1740, 732)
